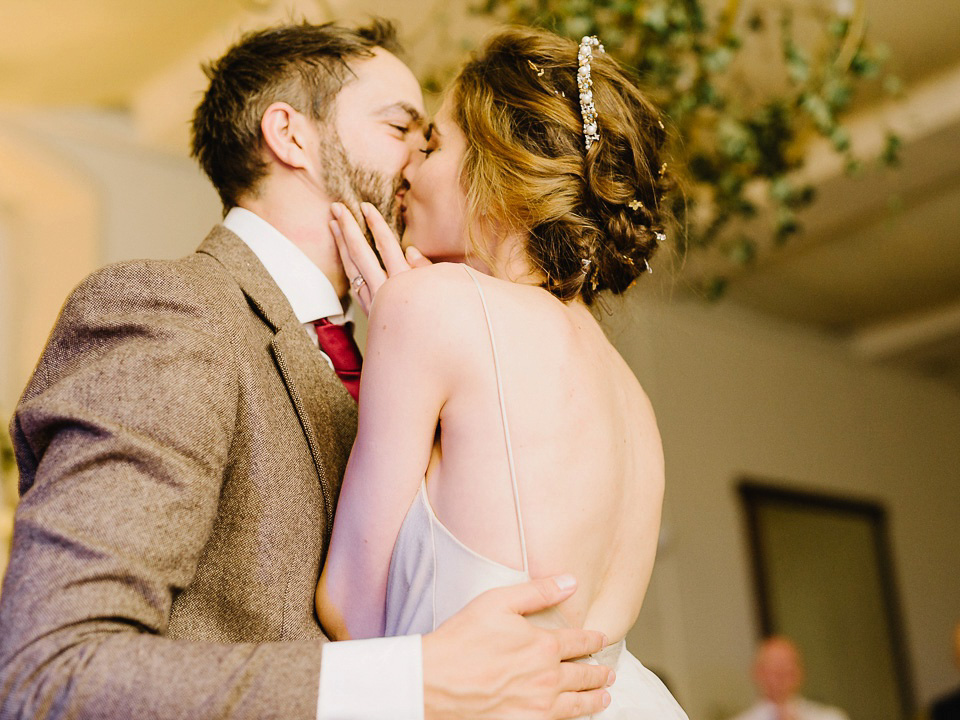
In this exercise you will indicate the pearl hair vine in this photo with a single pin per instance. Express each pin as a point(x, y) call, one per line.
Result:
point(588, 110)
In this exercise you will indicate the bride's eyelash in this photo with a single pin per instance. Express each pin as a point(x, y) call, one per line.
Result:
point(428, 133)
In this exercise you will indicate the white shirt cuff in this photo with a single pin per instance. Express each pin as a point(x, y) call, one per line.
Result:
point(377, 679)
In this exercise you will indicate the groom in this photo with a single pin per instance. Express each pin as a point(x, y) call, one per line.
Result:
point(182, 442)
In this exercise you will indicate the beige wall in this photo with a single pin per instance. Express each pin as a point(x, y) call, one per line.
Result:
point(737, 394)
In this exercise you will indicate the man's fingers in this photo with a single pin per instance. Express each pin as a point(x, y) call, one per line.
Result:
point(387, 244)
point(578, 643)
point(535, 595)
point(575, 677)
point(579, 704)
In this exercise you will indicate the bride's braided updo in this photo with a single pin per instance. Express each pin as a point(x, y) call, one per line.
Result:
point(592, 217)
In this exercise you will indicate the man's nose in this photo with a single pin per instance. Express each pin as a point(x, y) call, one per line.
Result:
point(414, 161)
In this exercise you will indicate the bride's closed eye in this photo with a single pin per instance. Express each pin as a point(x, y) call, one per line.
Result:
point(431, 139)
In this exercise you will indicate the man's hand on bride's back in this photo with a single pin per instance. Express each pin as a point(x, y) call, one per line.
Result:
point(488, 661)
point(360, 263)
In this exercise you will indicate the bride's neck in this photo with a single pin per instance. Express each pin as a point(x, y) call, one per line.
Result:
point(506, 259)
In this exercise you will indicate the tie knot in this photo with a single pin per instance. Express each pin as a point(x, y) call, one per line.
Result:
point(338, 344)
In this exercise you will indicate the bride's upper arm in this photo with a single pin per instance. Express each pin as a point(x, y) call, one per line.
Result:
point(410, 366)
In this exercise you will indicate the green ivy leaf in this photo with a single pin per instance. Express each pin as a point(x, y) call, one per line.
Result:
point(893, 86)
point(726, 135)
point(787, 225)
point(853, 167)
point(819, 112)
point(838, 27)
point(798, 66)
point(743, 251)
point(891, 150)
point(864, 65)
point(655, 18)
point(840, 138)
point(716, 61)
point(715, 288)
point(838, 93)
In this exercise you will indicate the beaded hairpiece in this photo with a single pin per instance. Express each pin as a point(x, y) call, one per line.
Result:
point(585, 84)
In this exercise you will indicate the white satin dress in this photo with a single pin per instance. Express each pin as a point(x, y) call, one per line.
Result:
point(433, 575)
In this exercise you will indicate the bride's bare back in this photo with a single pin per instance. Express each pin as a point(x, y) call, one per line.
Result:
point(506, 176)
point(586, 448)
point(588, 458)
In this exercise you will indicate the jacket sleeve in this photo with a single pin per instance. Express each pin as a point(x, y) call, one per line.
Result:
point(122, 438)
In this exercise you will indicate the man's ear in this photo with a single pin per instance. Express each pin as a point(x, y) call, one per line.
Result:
point(285, 131)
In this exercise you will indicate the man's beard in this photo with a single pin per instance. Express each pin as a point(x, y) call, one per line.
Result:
point(352, 184)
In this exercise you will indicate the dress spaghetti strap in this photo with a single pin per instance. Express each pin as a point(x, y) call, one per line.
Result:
point(503, 418)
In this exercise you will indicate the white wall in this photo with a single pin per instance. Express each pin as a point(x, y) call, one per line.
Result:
point(6, 297)
point(738, 394)
point(83, 192)
point(157, 204)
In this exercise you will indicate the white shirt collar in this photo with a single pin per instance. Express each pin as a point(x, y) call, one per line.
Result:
point(310, 293)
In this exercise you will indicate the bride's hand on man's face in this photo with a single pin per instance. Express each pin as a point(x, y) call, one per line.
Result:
point(360, 262)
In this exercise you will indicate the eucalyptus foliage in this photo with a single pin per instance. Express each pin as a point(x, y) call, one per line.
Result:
point(7, 495)
point(7, 461)
point(727, 136)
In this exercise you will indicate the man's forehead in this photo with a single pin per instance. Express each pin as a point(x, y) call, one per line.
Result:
point(401, 107)
point(380, 85)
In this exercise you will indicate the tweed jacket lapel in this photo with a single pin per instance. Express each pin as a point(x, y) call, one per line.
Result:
point(327, 413)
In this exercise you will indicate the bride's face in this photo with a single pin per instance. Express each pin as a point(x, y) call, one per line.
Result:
point(434, 206)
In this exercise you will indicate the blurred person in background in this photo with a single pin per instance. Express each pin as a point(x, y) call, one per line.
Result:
point(778, 674)
point(948, 706)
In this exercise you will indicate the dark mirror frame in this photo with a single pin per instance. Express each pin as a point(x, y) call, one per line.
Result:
point(755, 493)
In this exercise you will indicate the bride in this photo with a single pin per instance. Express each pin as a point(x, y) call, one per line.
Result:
point(501, 435)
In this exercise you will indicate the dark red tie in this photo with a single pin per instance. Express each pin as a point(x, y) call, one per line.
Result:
point(338, 343)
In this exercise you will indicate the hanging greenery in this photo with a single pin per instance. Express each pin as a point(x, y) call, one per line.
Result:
point(728, 137)
point(7, 495)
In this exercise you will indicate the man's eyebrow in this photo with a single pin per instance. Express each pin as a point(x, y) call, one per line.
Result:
point(415, 117)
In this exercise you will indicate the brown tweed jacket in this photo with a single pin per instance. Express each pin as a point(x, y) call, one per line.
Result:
point(181, 446)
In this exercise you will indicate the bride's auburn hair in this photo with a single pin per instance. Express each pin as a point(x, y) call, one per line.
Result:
point(527, 169)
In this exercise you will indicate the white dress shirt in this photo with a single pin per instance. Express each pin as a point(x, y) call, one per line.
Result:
point(799, 708)
point(379, 679)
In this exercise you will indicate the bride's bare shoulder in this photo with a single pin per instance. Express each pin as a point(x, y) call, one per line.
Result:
point(421, 291)
point(428, 307)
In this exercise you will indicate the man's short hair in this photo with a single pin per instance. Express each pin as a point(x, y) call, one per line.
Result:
point(303, 65)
